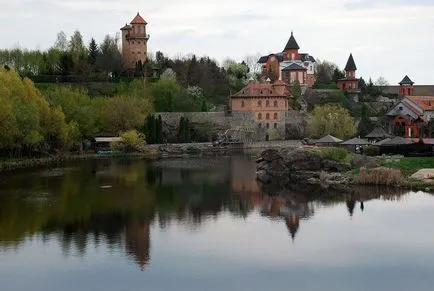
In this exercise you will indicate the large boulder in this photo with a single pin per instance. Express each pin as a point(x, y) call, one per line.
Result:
point(424, 175)
point(302, 160)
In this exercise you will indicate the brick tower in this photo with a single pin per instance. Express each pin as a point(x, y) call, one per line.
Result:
point(406, 87)
point(134, 43)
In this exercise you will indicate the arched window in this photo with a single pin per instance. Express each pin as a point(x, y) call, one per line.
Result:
point(275, 115)
point(275, 125)
point(260, 125)
point(260, 116)
point(259, 103)
point(242, 104)
point(275, 103)
point(268, 125)
point(267, 103)
point(267, 116)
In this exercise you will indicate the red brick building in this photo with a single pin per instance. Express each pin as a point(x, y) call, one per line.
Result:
point(350, 82)
point(411, 115)
point(289, 65)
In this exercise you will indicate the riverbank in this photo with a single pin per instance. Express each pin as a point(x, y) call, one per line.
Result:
point(337, 166)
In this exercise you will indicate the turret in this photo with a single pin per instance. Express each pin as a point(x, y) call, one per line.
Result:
point(406, 87)
point(350, 68)
point(290, 52)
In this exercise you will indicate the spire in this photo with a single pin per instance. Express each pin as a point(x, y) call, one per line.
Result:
point(292, 43)
point(351, 65)
point(406, 81)
point(138, 19)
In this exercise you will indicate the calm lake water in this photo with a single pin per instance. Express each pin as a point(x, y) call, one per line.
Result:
point(205, 225)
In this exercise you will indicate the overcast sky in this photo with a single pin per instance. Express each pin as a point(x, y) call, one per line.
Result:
point(388, 38)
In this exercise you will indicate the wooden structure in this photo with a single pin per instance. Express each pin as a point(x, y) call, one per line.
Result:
point(328, 141)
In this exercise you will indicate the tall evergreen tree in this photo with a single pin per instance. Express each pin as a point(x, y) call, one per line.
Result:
point(93, 52)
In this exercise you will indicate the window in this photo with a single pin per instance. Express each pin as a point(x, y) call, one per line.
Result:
point(260, 116)
point(267, 103)
point(260, 125)
point(139, 42)
point(259, 103)
point(139, 53)
point(132, 42)
point(275, 103)
point(275, 125)
point(275, 115)
point(268, 125)
point(242, 103)
point(267, 116)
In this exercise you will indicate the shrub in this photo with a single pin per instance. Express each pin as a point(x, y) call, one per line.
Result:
point(132, 141)
point(334, 154)
point(372, 151)
point(379, 176)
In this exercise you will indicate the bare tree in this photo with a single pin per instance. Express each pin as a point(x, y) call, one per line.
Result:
point(381, 83)
point(252, 62)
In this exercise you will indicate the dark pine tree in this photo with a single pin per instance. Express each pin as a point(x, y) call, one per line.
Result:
point(181, 129)
point(93, 52)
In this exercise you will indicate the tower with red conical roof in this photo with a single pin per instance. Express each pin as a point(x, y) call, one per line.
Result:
point(134, 43)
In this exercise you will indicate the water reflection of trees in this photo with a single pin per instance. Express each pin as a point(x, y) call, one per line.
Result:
point(116, 203)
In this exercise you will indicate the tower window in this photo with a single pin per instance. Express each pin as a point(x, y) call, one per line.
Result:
point(267, 103)
point(242, 104)
point(275, 125)
point(132, 42)
point(275, 115)
point(260, 116)
point(268, 125)
point(275, 103)
point(267, 116)
point(259, 103)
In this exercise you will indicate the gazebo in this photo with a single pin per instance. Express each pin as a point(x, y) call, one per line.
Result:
point(354, 143)
point(396, 145)
point(327, 141)
point(377, 134)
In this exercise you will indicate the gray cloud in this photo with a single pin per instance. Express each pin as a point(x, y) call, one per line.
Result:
point(387, 38)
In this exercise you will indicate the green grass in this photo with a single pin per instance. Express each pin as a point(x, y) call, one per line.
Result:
point(409, 165)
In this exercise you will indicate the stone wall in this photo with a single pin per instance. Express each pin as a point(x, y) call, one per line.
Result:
point(222, 121)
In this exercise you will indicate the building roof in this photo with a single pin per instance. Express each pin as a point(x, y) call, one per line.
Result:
point(264, 59)
point(355, 141)
point(108, 139)
point(138, 20)
point(351, 65)
point(256, 89)
point(397, 141)
point(292, 43)
point(406, 81)
point(426, 103)
point(307, 58)
point(329, 139)
point(126, 27)
point(381, 142)
point(294, 67)
point(378, 132)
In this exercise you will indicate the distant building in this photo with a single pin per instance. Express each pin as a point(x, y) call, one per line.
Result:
point(267, 102)
point(350, 82)
point(410, 116)
point(289, 65)
point(134, 43)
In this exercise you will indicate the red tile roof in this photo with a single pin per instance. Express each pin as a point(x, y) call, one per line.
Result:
point(254, 89)
point(138, 20)
point(425, 102)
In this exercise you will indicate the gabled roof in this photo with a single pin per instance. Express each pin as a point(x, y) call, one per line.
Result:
point(397, 141)
point(307, 58)
point(138, 20)
point(406, 81)
point(355, 141)
point(294, 67)
point(351, 65)
point(381, 142)
point(426, 103)
point(329, 139)
point(378, 132)
point(264, 59)
point(292, 43)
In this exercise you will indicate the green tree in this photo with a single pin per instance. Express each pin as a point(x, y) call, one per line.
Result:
point(164, 91)
point(110, 59)
point(296, 95)
point(331, 119)
point(365, 124)
point(93, 52)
